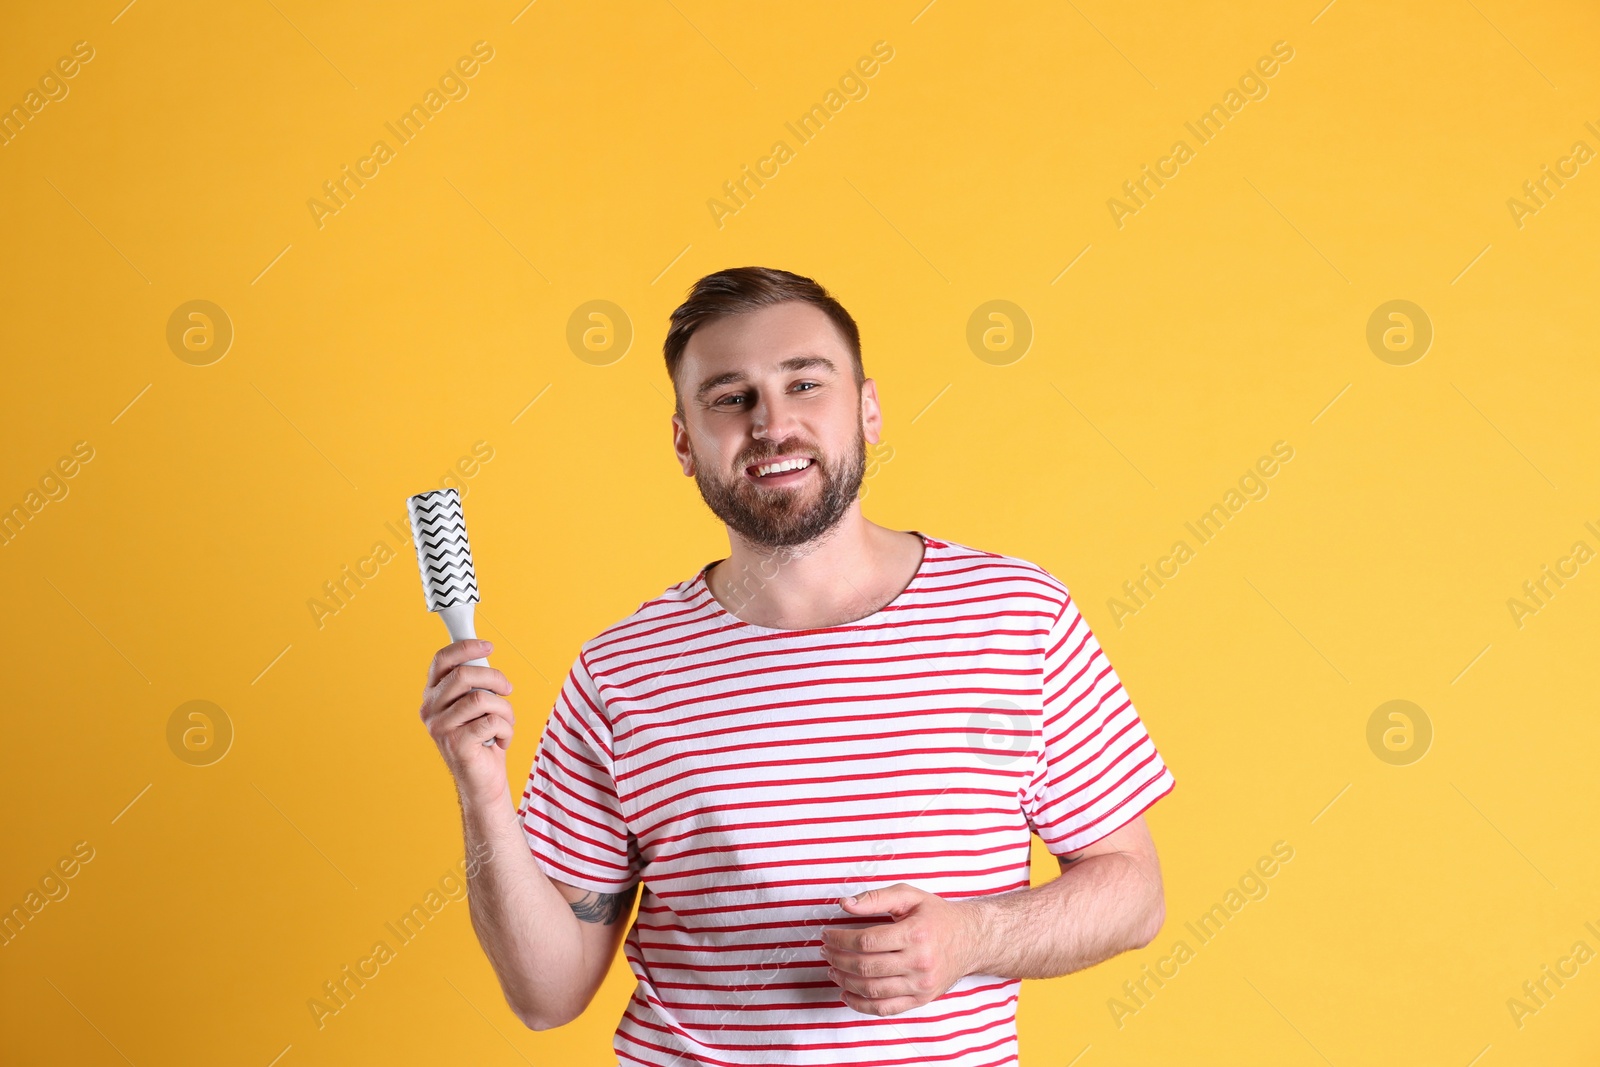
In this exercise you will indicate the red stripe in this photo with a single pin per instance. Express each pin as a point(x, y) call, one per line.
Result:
point(675, 648)
point(823, 861)
point(651, 697)
point(662, 857)
point(705, 892)
point(816, 903)
point(1006, 986)
point(646, 834)
point(831, 901)
point(1123, 817)
point(823, 780)
point(1053, 823)
point(851, 699)
point(822, 739)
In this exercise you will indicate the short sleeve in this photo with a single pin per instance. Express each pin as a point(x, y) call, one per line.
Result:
point(571, 816)
point(1099, 768)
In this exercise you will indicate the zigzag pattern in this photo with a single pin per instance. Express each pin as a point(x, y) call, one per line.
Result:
point(444, 555)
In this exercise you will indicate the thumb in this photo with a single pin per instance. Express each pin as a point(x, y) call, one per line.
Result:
point(896, 900)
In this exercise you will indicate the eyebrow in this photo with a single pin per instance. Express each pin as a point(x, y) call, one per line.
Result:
point(793, 363)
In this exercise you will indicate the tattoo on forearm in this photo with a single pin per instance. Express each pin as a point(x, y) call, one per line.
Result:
point(602, 908)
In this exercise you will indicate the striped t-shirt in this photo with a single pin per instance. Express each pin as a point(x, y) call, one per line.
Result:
point(750, 777)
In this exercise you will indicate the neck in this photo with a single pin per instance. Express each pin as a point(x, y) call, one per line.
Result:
point(848, 573)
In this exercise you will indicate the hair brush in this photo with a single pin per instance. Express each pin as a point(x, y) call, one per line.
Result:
point(444, 558)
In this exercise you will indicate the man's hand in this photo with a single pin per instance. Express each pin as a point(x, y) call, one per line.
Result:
point(907, 962)
point(462, 705)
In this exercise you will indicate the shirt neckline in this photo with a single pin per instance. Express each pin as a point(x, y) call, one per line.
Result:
point(721, 613)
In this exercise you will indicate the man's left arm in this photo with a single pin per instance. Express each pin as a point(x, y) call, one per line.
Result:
point(1107, 899)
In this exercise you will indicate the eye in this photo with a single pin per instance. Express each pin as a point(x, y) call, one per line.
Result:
point(719, 402)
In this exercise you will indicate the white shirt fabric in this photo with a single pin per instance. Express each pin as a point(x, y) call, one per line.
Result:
point(751, 776)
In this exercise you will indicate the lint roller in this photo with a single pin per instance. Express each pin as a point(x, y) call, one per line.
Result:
point(444, 558)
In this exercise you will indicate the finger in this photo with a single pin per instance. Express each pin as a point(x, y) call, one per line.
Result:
point(459, 680)
point(455, 654)
point(873, 988)
point(877, 987)
point(474, 705)
point(896, 900)
point(458, 683)
point(492, 727)
point(869, 964)
point(868, 1006)
point(884, 937)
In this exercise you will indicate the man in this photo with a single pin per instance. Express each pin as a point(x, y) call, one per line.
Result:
point(821, 756)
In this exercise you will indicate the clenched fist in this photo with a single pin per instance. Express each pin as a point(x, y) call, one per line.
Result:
point(463, 707)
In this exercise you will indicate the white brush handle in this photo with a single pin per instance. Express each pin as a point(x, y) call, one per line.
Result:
point(458, 620)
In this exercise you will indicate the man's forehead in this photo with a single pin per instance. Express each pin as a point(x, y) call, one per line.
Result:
point(769, 333)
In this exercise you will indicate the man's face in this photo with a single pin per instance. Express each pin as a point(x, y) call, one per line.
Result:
point(774, 384)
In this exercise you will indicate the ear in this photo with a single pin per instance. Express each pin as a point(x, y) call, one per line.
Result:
point(680, 445)
point(871, 415)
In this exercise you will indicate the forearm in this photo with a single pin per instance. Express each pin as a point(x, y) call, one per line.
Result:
point(526, 927)
point(1099, 906)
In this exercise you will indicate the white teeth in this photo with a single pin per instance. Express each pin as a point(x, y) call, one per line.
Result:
point(777, 468)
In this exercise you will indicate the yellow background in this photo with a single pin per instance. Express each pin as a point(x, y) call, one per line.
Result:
point(372, 352)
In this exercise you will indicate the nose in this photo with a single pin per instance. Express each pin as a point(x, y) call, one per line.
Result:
point(772, 418)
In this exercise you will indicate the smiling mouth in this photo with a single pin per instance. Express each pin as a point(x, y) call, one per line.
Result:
point(787, 472)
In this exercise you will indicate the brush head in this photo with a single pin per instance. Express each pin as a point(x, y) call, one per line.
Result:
point(444, 556)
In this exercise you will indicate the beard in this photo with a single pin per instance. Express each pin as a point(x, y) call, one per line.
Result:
point(796, 515)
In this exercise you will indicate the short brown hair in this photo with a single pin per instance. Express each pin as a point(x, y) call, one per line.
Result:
point(741, 289)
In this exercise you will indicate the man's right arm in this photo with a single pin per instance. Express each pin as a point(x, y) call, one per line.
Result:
point(550, 943)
